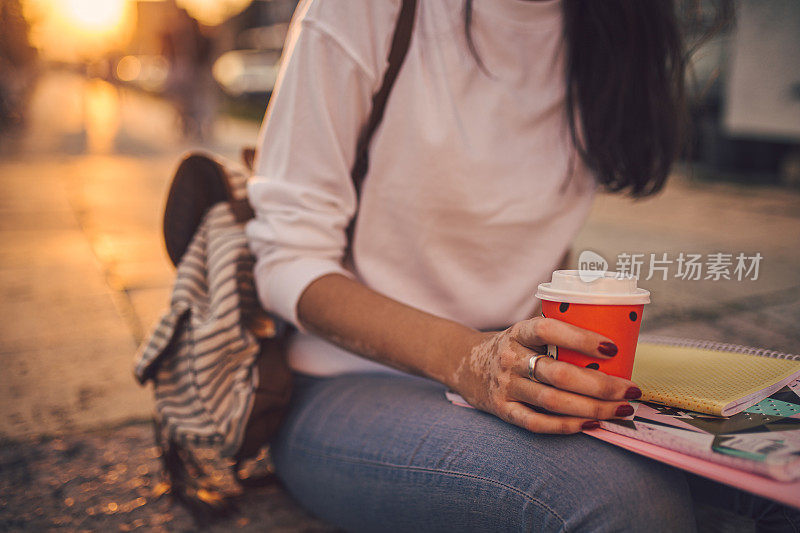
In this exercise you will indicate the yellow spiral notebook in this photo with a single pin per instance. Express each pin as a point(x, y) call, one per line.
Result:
point(709, 377)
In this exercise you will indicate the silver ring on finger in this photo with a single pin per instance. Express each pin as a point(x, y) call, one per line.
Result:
point(532, 361)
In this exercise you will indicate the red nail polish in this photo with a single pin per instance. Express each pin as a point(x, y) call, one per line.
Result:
point(590, 424)
point(607, 348)
point(624, 410)
point(633, 393)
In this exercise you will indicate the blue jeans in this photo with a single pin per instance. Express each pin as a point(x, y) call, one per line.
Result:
point(376, 452)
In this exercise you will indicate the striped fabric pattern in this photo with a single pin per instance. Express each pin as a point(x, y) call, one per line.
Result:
point(200, 356)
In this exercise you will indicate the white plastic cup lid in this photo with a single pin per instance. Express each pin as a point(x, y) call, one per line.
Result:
point(607, 288)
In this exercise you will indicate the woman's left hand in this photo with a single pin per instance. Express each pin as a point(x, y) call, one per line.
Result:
point(494, 377)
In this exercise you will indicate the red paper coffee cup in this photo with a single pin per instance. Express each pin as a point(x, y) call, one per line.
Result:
point(604, 302)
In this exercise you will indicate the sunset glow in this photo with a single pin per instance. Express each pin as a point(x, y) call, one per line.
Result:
point(102, 16)
point(88, 29)
point(79, 29)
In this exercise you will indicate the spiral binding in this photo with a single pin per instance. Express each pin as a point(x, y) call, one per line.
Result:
point(717, 346)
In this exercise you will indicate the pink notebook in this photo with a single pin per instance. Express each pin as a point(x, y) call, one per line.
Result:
point(784, 492)
point(757, 450)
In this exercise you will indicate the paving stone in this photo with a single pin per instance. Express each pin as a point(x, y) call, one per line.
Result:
point(36, 220)
point(67, 247)
point(26, 324)
point(75, 386)
point(50, 283)
point(32, 187)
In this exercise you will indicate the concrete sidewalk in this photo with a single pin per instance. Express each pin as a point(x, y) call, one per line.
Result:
point(83, 274)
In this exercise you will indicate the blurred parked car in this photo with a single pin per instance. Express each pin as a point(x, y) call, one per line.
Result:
point(250, 73)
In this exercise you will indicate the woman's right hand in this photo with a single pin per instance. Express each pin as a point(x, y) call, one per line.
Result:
point(494, 378)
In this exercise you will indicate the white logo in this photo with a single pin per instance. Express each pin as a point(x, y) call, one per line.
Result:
point(591, 266)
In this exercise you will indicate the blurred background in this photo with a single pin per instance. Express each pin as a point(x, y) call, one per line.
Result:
point(204, 58)
point(99, 99)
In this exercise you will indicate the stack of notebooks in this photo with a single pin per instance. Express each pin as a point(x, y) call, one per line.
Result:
point(726, 412)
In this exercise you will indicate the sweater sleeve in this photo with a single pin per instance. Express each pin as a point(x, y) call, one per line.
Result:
point(301, 190)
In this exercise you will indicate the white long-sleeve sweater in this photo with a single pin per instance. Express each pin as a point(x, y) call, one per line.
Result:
point(474, 189)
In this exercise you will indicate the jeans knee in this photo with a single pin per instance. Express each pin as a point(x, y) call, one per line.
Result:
point(643, 496)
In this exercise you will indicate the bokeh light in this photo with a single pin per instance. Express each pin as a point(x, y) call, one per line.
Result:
point(213, 12)
point(70, 30)
point(102, 16)
point(129, 68)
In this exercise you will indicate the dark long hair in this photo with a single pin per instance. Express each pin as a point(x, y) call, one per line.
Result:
point(625, 101)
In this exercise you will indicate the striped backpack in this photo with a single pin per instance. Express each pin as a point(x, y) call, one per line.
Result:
point(216, 358)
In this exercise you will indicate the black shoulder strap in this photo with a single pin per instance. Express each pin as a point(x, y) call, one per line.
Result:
point(397, 53)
